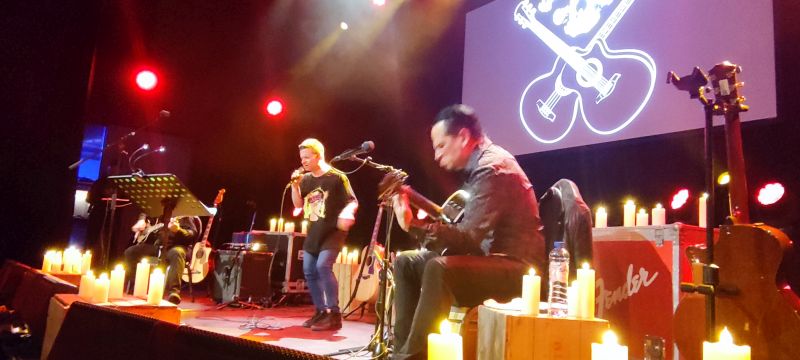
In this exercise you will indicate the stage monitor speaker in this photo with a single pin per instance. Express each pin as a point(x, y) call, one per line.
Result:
point(242, 275)
point(287, 273)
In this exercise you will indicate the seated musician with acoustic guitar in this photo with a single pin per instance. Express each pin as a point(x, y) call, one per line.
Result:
point(485, 254)
point(172, 241)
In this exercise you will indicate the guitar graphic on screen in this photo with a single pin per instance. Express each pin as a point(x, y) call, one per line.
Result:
point(607, 88)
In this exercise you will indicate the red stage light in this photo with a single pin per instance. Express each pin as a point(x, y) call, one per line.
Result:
point(274, 108)
point(146, 80)
point(770, 193)
point(679, 199)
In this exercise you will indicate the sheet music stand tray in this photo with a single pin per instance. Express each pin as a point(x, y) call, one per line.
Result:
point(152, 194)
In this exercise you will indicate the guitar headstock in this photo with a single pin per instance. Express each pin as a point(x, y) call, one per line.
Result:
point(391, 183)
point(524, 14)
point(724, 81)
point(218, 199)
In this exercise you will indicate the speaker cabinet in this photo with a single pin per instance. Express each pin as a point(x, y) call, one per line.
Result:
point(242, 274)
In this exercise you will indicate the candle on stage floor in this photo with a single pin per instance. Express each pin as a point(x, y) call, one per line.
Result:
point(86, 261)
point(47, 264)
point(304, 227)
point(610, 349)
point(701, 210)
point(140, 280)
point(156, 288)
point(642, 219)
point(659, 215)
point(86, 289)
point(115, 288)
point(56, 261)
point(289, 227)
point(531, 287)
point(586, 290)
point(445, 345)
point(725, 348)
point(601, 218)
point(629, 214)
point(100, 291)
point(273, 224)
point(280, 225)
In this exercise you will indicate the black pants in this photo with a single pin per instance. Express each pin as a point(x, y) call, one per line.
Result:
point(426, 285)
point(175, 258)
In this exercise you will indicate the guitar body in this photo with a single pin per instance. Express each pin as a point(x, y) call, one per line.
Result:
point(629, 78)
point(145, 235)
point(370, 281)
point(200, 264)
point(762, 313)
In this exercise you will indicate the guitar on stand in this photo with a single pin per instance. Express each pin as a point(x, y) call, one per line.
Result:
point(199, 266)
point(743, 288)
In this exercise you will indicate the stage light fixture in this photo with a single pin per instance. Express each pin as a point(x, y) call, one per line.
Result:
point(146, 80)
point(771, 193)
point(343, 25)
point(679, 199)
point(274, 107)
point(724, 178)
point(378, 2)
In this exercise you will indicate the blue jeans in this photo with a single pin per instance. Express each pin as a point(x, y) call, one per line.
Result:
point(318, 269)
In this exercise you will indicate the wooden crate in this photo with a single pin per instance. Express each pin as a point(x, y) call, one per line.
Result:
point(59, 305)
point(511, 336)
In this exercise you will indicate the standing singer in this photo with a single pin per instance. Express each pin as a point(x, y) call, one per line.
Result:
point(329, 205)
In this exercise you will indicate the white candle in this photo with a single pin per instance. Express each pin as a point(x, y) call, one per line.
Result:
point(642, 219)
point(289, 227)
point(445, 345)
point(586, 290)
point(659, 215)
point(156, 291)
point(86, 261)
point(725, 349)
point(697, 272)
point(610, 349)
point(75, 261)
point(701, 213)
point(56, 261)
point(100, 291)
point(601, 218)
point(629, 213)
point(140, 281)
point(531, 287)
point(117, 282)
point(304, 227)
point(48, 260)
point(280, 224)
point(273, 224)
point(572, 299)
point(86, 288)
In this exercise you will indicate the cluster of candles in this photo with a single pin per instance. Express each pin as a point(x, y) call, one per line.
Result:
point(580, 294)
point(102, 288)
point(345, 257)
point(280, 225)
point(70, 261)
point(658, 215)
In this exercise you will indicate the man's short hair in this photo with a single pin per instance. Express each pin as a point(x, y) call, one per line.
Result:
point(314, 145)
point(457, 117)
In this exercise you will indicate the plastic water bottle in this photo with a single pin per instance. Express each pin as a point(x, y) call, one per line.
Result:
point(559, 278)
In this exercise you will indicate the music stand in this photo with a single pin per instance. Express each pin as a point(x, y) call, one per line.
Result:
point(152, 194)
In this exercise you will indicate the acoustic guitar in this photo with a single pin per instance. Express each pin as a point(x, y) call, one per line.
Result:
point(752, 299)
point(199, 266)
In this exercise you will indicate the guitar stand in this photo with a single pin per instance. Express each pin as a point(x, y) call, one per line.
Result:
point(236, 302)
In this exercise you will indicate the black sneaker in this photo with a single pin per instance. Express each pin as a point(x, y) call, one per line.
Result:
point(174, 298)
point(329, 321)
point(314, 319)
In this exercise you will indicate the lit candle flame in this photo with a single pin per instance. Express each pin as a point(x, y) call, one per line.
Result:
point(609, 337)
point(444, 327)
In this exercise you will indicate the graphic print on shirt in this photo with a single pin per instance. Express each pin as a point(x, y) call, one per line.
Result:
point(314, 204)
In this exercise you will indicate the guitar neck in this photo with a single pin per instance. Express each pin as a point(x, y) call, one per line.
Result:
point(208, 228)
point(421, 202)
point(739, 208)
point(612, 21)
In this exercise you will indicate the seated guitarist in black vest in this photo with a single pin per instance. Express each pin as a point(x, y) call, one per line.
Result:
point(172, 240)
point(486, 253)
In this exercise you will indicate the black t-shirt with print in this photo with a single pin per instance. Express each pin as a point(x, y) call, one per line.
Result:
point(324, 197)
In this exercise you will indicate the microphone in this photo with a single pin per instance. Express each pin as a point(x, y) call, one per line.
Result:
point(366, 147)
point(300, 172)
